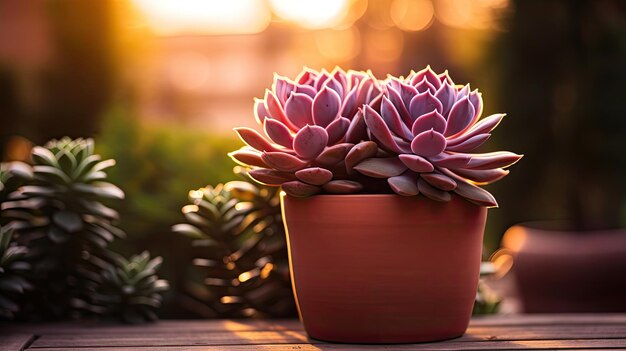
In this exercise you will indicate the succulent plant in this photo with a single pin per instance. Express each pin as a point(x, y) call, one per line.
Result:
point(12, 268)
point(429, 126)
point(57, 215)
point(348, 132)
point(125, 289)
point(242, 253)
point(311, 126)
point(64, 200)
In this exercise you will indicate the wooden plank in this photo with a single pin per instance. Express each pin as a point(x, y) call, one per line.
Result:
point(15, 342)
point(596, 344)
point(165, 326)
point(475, 334)
point(549, 319)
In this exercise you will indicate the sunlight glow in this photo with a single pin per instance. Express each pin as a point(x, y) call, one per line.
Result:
point(311, 13)
point(170, 17)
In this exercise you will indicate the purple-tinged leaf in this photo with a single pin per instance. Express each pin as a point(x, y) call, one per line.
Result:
point(463, 92)
point(314, 175)
point(472, 193)
point(310, 141)
point(306, 76)
point(381, 167)
point(349, 104)
point(254, 139)
point(298, 109)
point(407, 93)
point(274, 108)
point(431, 120)
point(379, 130)
point(461, 117)
point(500, 159)
point(278, 132)
point(362, 91)
point(282, 86)
point(431, 192)
point(260, 113)
point(342, 187)
point(476, 99)
point(357, 130)
point(340, 76)
point(360, 152)
point(248, 158)
point(373, 92)
point(270, 176)
point(334, 154)
point(485, 125)
point(416, 163)
point(446, 95)
point(425, 86)
point(423, 103)
point(334, 85)
point(337, 130)
point(445, 77)
point(321, 79)
point(428, 75)
point(391, 116)
point(439, 181)
point(299, 189)
point(428, 143)
point(447, 160)
point(482, 177)
point(469, 144)
point(396, 101)
point(306, 90)
point(326, 106)
point(404, 185)
point(283, 162)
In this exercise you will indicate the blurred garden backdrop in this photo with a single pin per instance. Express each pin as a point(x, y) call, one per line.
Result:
point(160, 84)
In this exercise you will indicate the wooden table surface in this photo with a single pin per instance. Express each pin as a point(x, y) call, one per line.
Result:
point(582, 331)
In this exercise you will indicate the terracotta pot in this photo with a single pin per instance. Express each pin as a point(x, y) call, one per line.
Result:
point(383, 268)
point(568, 271)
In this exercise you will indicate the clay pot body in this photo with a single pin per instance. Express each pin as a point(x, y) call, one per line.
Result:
point(384, 268)
point(559, 271)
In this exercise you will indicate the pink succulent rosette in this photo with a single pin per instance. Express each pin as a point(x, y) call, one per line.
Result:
point(429, 126)
point(313, 126)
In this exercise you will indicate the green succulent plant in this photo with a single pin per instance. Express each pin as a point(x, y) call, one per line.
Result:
point(57, 215)
point(12, 268)
point(125, 289)
point(65, 199)
point(238, 232)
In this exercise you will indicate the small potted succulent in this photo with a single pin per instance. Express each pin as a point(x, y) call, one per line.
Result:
point(381, 199)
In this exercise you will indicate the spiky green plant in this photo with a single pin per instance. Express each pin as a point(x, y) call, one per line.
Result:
point(242, 253)
point(59, 214)
point(12, 175)
point(125, 289)
point(12, 268)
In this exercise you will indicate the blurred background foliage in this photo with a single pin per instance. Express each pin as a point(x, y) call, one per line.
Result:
point(160, 86)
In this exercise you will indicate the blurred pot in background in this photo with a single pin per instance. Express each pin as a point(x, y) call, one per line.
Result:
point(559, 269)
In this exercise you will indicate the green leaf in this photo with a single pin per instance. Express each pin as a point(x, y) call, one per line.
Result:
point(51, 174)
point(189, 231)
point(43, 156)
point(69, 221)
point(102, 189)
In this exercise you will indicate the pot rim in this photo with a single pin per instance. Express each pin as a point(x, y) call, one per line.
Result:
point(376, 196)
